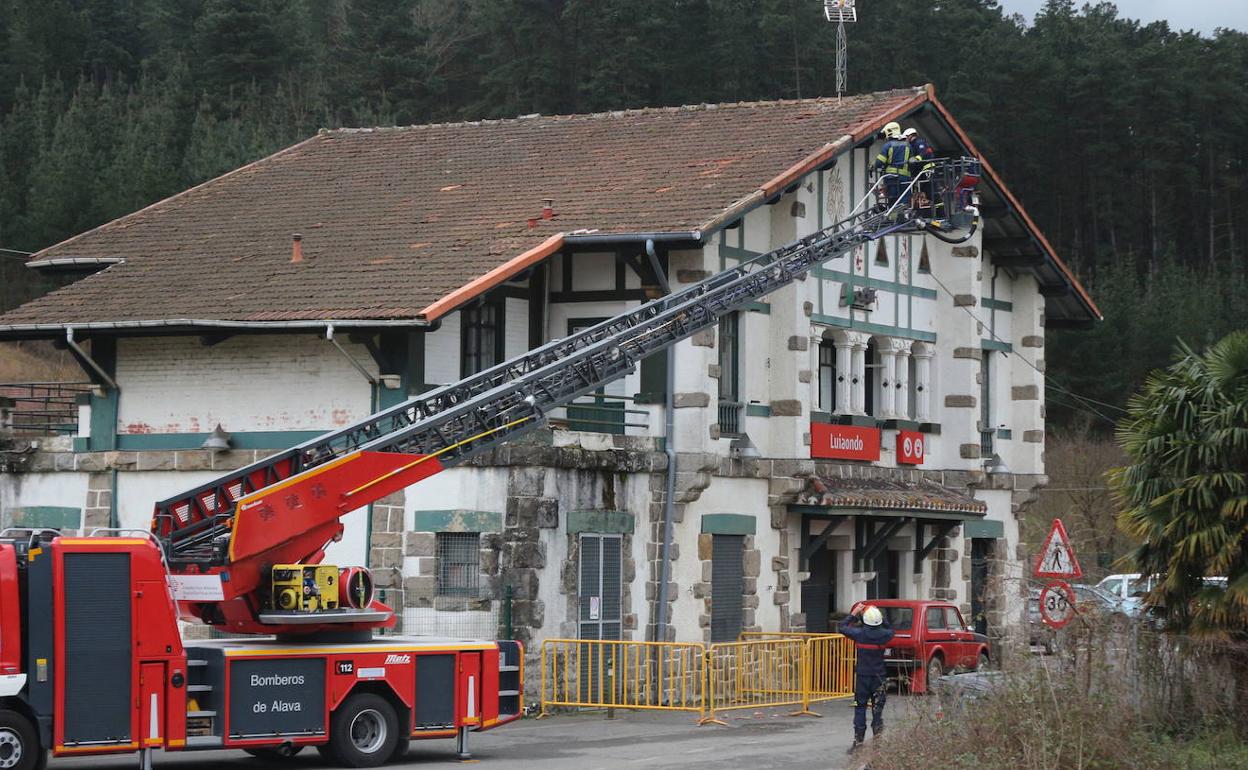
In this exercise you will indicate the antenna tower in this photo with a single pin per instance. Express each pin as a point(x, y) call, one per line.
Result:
point(840, 11)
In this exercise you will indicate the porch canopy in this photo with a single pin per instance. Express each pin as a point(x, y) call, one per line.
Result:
point(881, 507)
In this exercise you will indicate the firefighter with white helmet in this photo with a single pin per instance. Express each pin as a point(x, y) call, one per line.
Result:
point(871, 633)
point(893, 162)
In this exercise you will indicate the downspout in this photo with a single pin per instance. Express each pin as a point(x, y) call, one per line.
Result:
point(374, 384)
point(669, 448)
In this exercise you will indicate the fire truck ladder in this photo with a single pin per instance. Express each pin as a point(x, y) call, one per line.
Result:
point(457, 421)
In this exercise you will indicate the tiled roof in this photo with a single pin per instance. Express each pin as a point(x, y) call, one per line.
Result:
point(888, 495)
point(393, 219)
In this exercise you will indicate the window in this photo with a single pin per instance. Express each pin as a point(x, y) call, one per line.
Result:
point(729, 375)
point(827, 377)
point(459, 563)
point(482, 340)
point(953, 619)
point(727, 587)
point(870, 379)
point(987, 425)
point(900, 618)
point(935, 618)
point(912, 391)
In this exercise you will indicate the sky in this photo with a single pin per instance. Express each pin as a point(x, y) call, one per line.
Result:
point(1201, 15)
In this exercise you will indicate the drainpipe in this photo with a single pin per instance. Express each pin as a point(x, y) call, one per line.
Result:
point(669, 448)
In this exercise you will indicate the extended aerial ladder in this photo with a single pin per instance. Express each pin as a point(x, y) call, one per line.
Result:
point(286, 508)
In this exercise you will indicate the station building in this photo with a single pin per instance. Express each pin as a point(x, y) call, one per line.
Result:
point(874, 430)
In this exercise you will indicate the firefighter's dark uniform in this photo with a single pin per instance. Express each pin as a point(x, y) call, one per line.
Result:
point(871, 682)
point(921, 154)
point(894, 163)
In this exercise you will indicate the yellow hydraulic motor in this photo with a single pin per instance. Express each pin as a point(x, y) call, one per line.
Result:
point(305, 587)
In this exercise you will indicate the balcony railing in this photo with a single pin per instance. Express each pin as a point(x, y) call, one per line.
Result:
point(600, 413)
point(40, 408)
point(730, 417)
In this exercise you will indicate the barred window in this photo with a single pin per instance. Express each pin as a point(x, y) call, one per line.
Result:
point(459, 563)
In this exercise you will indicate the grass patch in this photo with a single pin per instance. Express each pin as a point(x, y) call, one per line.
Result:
point(37, 362)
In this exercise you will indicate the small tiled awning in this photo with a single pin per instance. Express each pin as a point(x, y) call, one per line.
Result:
point(917, 497)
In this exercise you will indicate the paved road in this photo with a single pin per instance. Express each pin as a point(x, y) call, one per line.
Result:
point(763, 740)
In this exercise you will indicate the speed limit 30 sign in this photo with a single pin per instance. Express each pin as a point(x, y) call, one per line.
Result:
point(1057, 604)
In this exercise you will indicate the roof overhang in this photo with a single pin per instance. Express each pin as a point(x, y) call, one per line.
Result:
point(1009, 233)
point(185, 326)
point(887, 497)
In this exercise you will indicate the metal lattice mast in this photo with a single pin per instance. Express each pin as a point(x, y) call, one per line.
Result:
point(841, 11)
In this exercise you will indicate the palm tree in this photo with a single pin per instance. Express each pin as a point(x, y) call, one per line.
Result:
point(1184, 492)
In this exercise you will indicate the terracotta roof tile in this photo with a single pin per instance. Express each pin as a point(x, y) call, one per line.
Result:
point(889, 495)
point(393, 219)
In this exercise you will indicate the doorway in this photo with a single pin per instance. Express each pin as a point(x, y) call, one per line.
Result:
point(819, 592)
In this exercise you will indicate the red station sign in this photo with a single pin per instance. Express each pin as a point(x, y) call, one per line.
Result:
point(844, 442)
point(910, 447)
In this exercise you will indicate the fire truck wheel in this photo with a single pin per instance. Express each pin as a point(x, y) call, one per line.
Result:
point(363, 731)
point(400, 749)
point(19, 743)
point(277, 753)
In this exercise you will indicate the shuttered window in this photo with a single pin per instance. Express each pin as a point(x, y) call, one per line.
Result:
point(727, 587)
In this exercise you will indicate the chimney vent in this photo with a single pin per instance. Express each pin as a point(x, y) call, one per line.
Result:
point(548, 208)
point(296, 249)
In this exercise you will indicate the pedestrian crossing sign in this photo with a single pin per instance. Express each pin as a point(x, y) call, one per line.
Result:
point(1057, 557)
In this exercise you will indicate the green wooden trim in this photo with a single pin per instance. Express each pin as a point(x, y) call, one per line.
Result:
point(930, 427)
point(757, 410)
point(996, 304)
point(759, 307)
point(821, 417)
point(278, 439)
point(728, 524)
point(875, 283)
point(1003, 347)
point(457, 520)
point(988, 528)
point(54, 516)
point(864, 326)
point(897, 424)
point(104, 422)
point(600, 522)
point(1005, 433)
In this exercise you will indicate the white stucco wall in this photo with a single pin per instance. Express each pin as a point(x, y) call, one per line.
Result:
point(244, 383)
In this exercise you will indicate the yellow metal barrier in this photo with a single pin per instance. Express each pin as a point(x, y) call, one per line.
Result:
point(623, 674)
point(830, 661)
point(760, 673)
point(830, 670)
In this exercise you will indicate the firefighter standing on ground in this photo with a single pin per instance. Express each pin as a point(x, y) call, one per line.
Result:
point(871, 633)
point(893, 163)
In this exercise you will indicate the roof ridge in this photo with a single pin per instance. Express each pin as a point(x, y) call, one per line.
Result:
point(624, 112)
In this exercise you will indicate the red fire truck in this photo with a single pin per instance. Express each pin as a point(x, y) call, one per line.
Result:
point(91, 660)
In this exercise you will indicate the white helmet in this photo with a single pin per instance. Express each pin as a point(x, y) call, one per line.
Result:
point(872, 616)
point(909, 132)
point(892, 130)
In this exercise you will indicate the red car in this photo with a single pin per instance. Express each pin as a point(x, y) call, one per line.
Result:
point(931, 639)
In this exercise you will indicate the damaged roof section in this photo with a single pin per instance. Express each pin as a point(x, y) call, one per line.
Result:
point(888, 495)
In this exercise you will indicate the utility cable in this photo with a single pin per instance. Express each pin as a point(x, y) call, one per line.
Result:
point(1048, 380)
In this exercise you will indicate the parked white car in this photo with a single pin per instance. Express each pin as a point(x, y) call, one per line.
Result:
point(1119, 585)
